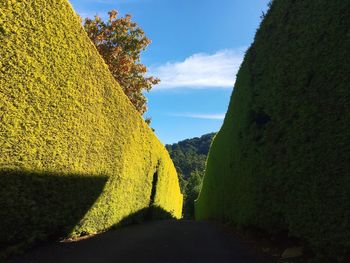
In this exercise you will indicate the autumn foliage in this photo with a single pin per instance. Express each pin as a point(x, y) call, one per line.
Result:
point(120, 42)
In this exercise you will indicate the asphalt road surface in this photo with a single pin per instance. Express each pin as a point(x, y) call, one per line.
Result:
point(167, 241)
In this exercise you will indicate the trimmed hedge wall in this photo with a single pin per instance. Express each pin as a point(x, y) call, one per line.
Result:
point(75, 156)
point(282, 158)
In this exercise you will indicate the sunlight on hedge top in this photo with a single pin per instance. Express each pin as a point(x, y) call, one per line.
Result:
point(63, 116)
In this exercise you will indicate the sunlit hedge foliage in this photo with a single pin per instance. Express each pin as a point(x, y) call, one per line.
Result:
point(65, 120)
point(282, 158)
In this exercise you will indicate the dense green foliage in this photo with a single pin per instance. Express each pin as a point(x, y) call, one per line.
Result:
point(65, 120)
point(191, 188)
point(189, 157)
point(191, 154)
point(282, 158)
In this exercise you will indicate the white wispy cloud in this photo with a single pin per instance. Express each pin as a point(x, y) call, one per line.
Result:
point(200, 116)
point(201, 70)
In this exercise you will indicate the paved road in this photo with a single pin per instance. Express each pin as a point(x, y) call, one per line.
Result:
point(155, 242)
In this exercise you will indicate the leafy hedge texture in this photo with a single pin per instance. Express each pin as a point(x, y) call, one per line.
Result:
point(75, 156)
point(282, 158)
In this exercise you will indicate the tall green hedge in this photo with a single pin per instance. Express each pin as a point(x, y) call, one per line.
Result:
point(282, 158)
point(75, 156)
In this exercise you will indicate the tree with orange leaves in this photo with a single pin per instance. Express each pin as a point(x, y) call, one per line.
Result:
point(120, 42)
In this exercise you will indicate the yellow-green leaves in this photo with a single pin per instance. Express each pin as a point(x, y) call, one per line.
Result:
point(64, 119)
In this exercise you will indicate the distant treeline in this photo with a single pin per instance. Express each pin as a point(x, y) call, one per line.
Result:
point(189, 157)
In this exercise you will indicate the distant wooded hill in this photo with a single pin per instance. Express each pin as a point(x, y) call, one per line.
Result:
point(189, 157)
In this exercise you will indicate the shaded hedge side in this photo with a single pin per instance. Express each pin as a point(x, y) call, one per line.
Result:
point(63, 114)
point(282, 158)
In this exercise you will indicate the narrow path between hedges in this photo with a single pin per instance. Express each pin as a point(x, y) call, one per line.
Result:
point(157, 242)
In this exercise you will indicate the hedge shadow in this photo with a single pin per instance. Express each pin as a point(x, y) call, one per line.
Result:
point(41, 205)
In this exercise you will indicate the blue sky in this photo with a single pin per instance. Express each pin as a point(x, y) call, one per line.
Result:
point(197, 47)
